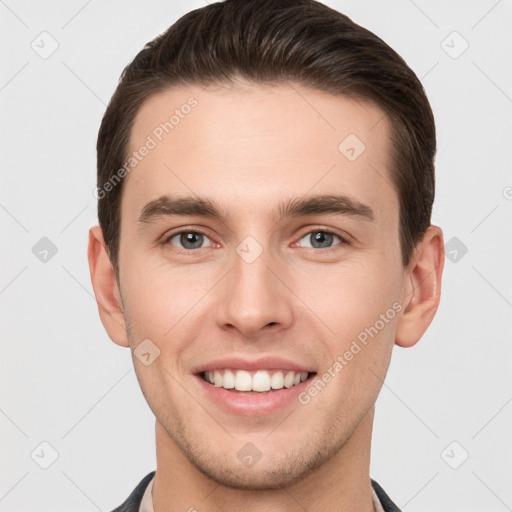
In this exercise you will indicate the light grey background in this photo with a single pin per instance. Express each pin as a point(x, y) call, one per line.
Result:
point(65, 383)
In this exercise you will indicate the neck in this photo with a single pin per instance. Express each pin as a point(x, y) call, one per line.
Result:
point(341, 484)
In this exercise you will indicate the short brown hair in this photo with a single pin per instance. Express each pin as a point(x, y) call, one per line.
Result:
point(264, 41)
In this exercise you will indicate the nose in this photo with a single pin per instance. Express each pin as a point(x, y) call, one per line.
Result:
point(253, 297)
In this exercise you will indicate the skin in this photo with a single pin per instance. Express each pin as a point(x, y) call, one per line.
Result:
point(248, 148)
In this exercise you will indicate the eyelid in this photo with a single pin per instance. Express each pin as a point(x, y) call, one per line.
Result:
point(344, 238)
point(165, 239)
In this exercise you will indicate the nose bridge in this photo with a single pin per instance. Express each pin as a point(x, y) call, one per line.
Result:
point(252, 296)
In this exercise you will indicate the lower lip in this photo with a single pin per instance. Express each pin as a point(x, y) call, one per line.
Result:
point(252, 404)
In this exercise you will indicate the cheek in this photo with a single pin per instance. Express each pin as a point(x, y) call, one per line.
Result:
point(161, 302)
point(147, 286)
point(349, 297)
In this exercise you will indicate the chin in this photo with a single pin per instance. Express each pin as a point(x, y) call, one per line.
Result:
point(256, 480)
point(274, 473)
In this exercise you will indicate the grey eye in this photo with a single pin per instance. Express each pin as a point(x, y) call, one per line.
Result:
point(188, 240)
point(320, 239)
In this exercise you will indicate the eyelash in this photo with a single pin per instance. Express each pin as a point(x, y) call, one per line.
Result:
point(166, 241)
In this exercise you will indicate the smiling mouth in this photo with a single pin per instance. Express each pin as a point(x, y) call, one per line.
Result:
point(255, 382)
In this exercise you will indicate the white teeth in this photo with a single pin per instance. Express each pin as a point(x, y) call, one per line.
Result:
point(288, 380)
point(229, 380)
point(243, 381)
point(260, 381)
point(277, 381)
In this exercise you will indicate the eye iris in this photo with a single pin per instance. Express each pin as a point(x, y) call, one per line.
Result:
point(194, 239)
point(321, 237)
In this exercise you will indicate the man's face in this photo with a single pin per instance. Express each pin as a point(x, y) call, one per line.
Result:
point(261, 291)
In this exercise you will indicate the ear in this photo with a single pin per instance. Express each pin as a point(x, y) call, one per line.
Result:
point(422, 291)
point(106, 289)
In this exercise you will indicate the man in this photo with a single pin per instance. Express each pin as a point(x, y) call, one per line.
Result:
point(265, 185)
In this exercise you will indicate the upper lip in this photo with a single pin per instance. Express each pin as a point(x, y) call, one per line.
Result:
point(262, 363)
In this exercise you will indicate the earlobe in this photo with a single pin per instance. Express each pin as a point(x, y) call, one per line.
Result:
point(422, 292)
point(106, 289)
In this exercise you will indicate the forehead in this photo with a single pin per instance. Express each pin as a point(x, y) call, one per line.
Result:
point(255, 144)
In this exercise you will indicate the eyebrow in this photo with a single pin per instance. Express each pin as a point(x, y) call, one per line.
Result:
point(167, 205)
